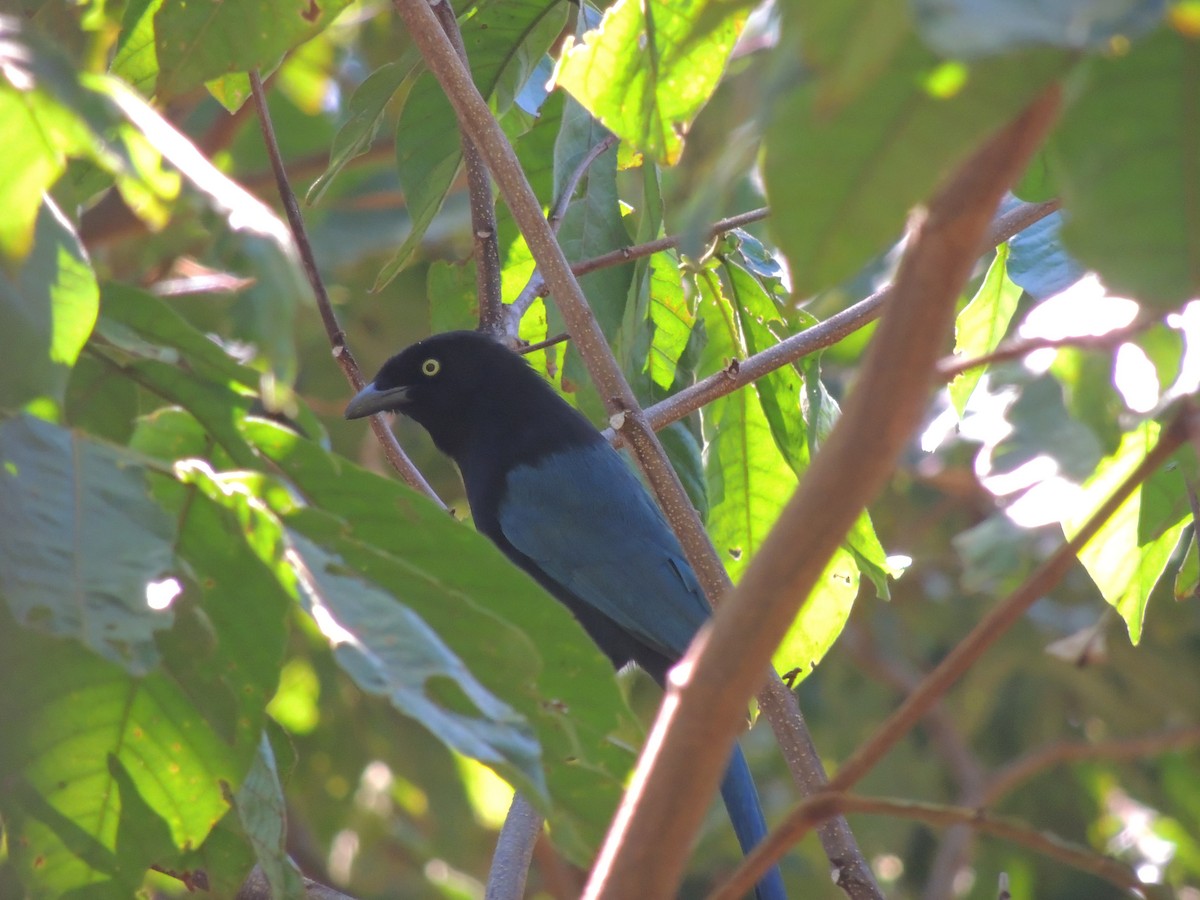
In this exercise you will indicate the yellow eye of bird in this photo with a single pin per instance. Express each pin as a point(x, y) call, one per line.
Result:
point(431, 367)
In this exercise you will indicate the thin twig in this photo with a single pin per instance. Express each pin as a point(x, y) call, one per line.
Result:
point(670, 242)
point(559, 210)
point(819, 337)
point(644, 852)
point(943, 733)
point(337, 338)
point(483, 208)
point(970, 648)
point(548, 342)
point(475, 118)
point(536, 286)
point(1048, 845)
point(1034, 763)
point(952, 366)
point(514, 849)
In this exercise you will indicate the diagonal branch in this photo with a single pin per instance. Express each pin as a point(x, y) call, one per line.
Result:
point(646, 847)
point(483, 209)
point(475, 118)
point(337, 338)
point(536, 287)
point(938, 815)
point(996, 623)
point(820, 336)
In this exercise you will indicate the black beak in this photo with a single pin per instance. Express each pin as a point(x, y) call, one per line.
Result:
point(371, 400)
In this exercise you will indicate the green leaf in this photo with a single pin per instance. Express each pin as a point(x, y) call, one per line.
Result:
point(592, 225)
point(47, 310)
point(504, 41)
point(261, 809)
point(484, 610)
point(364, 115)
point(90, 543)
point(646, 71)
point(95, 763)
point(842, 181)
point(982, 324)
point(1124, 569)
point(671, 317)
point(453, 303)
point(390, 650)
point(749, 480)
point(1144, 174)
point(847, 44)
point(46, 116)
point(136, 58)
point(198, 42)
point(148, 326)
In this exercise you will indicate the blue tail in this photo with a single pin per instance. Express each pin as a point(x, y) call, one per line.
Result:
point(745, 812)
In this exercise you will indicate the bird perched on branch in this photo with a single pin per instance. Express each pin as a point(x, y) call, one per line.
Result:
point(552, 494)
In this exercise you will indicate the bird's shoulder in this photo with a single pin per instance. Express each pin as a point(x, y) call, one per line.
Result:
point(586, 520)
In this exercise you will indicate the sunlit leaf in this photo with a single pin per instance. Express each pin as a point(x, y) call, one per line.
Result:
point(47, 310)
point(645, 71)
point(1123, 569)
point(982, 324)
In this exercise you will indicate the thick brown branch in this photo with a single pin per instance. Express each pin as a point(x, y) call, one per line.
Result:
point(645, 850)
point(475, 118)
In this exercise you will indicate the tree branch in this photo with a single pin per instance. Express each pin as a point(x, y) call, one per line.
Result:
point(971, 647)
point(625, 254)
point(1015, 832)
point(1026, 767)
point(647, 844)
point(483, 209)
point(536, 285)
point(337, 338)
point(514, 849)
point(475, 118)
point(952, 366)
point(825, 334)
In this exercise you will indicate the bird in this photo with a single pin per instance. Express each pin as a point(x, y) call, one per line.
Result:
point(546, 487)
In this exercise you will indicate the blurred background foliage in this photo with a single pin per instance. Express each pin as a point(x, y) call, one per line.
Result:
point(204, 594)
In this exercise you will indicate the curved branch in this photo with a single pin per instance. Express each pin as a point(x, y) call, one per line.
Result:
point(646, 847)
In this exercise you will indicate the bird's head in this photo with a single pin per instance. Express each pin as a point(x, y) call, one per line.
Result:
point(447, 383)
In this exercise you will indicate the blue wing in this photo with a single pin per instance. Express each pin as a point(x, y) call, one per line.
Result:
point(586, 520)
